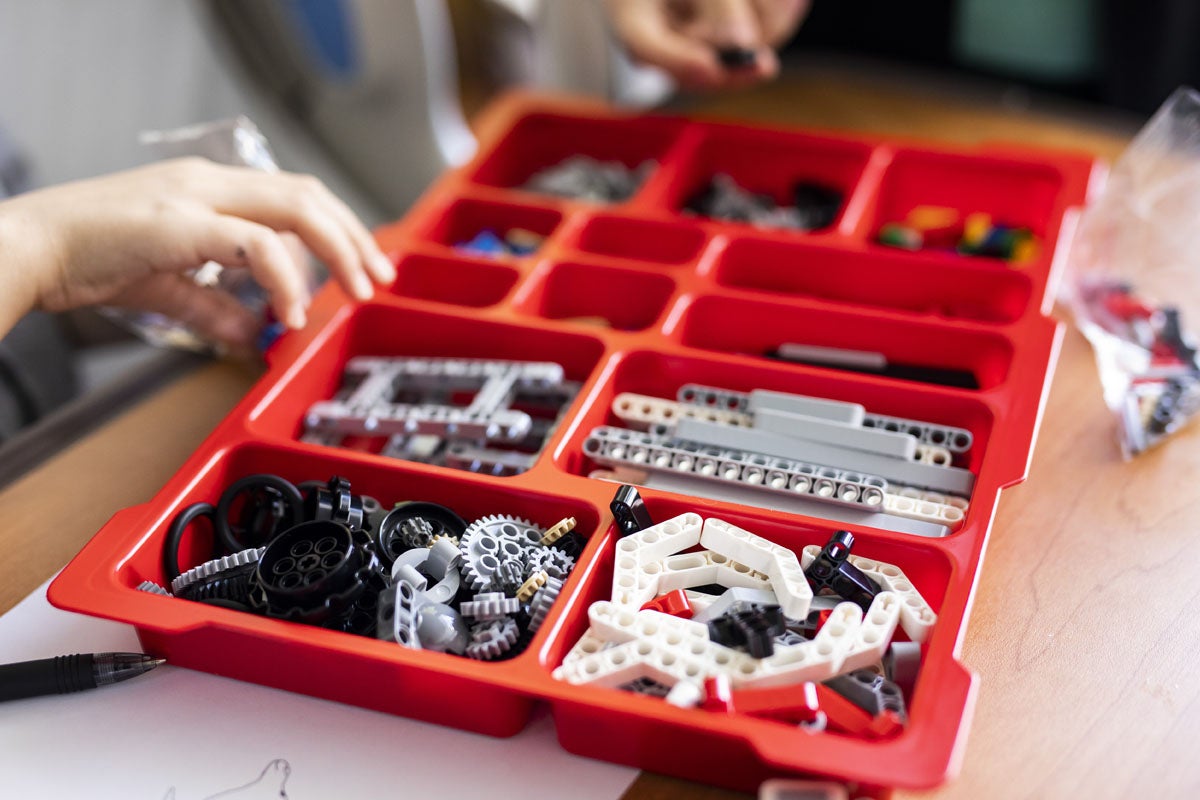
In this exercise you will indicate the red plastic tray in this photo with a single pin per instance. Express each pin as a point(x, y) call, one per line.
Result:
point(690, 300)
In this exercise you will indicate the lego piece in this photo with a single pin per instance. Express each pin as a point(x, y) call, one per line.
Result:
point(695, 394)
point(815, 354)
point(529, 587)
point(816, 204)
point(733, 597)
point(897, 234)
point(870, 440)
point(785, 789)
point(871, 692)
point(932, 454)
point(646, 686)
point(557, 531)
point(778, 563)
point(818, 407)
point(426, 563)
point(543, 600)
point(793, 703)
point(150, 587)
point(721, 464)
point(952, 480)
point(842, 715)
point(736, 58)
point(901, 663)
point(489, 606)
point(916, 617)
point(398, 615)
point(830, 569)
point(629, 511)
point(903, 504)
point(490, 540)
point(675, 603)
point(640, 412)
point(334, 501)
point(490, 640)
point(956, 440)
point(487, 460)
point(582, 178)
point(670, 481)
point(685, 694)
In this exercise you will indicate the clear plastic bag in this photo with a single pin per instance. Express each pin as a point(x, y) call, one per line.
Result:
point(234, 141)
point(1134, 280)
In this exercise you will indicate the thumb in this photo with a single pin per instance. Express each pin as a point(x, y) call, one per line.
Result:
point(213, 314)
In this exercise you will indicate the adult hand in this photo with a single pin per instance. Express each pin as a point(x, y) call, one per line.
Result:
point(127, 239)
point(683, 37)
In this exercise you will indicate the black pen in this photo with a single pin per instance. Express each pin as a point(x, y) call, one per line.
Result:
point(66, 674)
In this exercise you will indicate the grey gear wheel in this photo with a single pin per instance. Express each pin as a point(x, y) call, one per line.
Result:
point(490, 606)
point(552, 561)
point(490, 640)
point(151, 587)
point(416, 532)
point(210, 568)
point(540, 606)
point(490, 540)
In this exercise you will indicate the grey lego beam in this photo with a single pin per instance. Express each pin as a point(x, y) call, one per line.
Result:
point(870, 440)
point(819, 407)
point(837, 356)
point(953, 480)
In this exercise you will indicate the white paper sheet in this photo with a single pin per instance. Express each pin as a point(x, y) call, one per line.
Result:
point(175, 733)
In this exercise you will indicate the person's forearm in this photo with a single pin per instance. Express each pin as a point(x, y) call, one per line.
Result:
point(24, 260)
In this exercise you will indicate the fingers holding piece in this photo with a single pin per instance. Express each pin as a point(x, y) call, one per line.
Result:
point(645, 29)
point(237, 242)
point(214, 315)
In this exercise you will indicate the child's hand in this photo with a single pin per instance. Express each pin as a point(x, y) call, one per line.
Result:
point(126, 239)
point(683, 36)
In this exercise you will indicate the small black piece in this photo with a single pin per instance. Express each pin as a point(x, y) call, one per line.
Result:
point(571, 543)
point(736, 57)
point(390, 538)
point(832, 570)
point(1171, 332)
point(272, 505)
point(753, 629)
point(818, 205)
point(170, 556)
point(334, 501)
point(629, 511)
point(314, 573)
point(1166, 410)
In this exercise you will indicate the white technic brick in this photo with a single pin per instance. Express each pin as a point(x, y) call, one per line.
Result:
point(685, 570)
point(588, 644)
point(916, 616)
point(777, 562)
point(640, 411)
point(902, 505)
point(686, 694)
point(873, 635)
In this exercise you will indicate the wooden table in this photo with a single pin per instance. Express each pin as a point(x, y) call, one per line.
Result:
point(1082, 630)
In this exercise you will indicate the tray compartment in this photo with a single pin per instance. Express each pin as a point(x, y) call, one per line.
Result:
point(926, 283)
point(454, 281)
point(658, 374)
point(541, 140)
point(466, 218)
point(619, 298)
point(1014, 192)
point(649, 733)
point(437, 687)
point(665, 243)
point(755, 328)
point(771, 162)
point(395, 330)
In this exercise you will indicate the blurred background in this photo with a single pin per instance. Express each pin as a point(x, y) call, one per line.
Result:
point(376, 97)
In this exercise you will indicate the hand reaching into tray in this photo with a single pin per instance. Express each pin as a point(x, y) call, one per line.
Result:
point(708, 44)
point(127, 239)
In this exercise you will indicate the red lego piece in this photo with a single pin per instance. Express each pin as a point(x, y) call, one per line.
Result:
point(843, 715)
point(1124, 306)
point(888, 723)
point(674, 603)
point(718, 694)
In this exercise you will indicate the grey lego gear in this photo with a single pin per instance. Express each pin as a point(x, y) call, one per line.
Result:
point(490, 640)
point(210, 568)
point(490, 540)
point(510, 576)
point(416, 532)
point(552, 561)
point(489, 606)
point(542, 602)
point(150, 587)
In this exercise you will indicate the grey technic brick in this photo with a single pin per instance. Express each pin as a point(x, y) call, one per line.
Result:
point(695, 394)
point(819, 407)
point(790, 504)
point(870, 440)
point(837, 356)
point(953, 480)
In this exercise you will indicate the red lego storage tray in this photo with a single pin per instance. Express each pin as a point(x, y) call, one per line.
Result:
point(686, 300)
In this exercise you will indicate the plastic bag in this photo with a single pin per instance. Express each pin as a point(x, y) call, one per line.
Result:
point(1134, 280)
point(234, 141)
